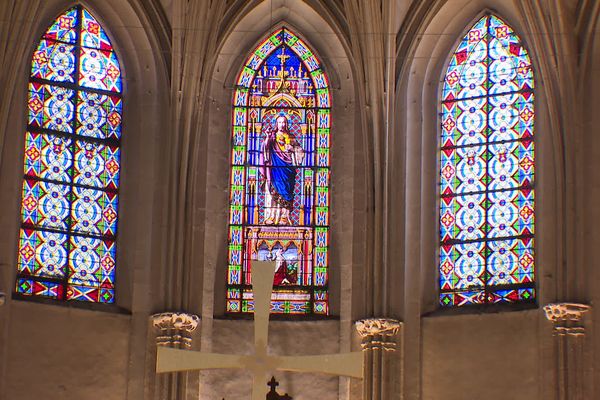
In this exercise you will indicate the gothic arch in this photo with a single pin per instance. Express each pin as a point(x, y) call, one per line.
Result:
point(212, 174)
point(417, 105)
point(144, 67)
point(67, 245)
point(240, 42)
point(143, 74)
point(487, 251)
point(430, 58)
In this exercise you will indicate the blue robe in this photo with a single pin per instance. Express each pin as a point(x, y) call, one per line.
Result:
point(283, 176)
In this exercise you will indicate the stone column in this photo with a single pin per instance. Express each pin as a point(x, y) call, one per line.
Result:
point(378, 340)
point(569, 334)
point(173, 329)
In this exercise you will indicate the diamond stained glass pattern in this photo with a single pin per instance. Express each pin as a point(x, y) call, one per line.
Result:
point(279, 185)
point(54, 61)
point(487, 170)
point(99, 69)
point(72, 164)
point(98, 115)
point(51, 107)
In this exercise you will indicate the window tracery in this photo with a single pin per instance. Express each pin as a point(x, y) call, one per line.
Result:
point(69, 209)
point(487, 170)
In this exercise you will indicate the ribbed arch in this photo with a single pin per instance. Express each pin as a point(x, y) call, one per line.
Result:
point(487, 170)
point(67, 246)
point(279, 187)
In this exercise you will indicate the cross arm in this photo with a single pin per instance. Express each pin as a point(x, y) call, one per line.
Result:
point(344, 364)
point(172, 360)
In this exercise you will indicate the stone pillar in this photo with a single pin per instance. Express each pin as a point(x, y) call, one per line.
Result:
point(173, 329)
point(569, 334)
point(378, 340)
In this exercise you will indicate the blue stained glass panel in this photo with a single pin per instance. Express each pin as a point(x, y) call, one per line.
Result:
point(54, 61)
point(92, 33)
point(487, 170)
point(48, 157)
point(42, 253)
point(96, 165)
point(69, 206)
point(51, 107)
point(99, 69)
point(98, 115)
point(64, 28)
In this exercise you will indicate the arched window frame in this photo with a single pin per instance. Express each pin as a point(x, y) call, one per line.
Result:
point(238, 276)
point(82, 277)
point(523, 288)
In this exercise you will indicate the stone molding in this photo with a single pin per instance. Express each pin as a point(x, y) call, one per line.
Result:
point(567, 317)
point(378, 333)
point(175, 328)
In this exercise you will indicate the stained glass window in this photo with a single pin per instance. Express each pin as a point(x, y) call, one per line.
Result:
point(279, 187)
point(487, 170)
point(70, 189)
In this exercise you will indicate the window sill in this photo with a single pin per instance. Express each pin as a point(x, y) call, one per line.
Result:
point(80, 305)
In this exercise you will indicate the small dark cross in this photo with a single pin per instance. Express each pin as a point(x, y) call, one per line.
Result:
point(273, 395)
point(273, 384)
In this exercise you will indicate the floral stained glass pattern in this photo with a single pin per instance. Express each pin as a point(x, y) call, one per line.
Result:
point(487, 170)
point(72, 164)
point(279, 186)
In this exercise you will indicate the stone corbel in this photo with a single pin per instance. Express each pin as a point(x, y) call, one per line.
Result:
point(174, 329)
point(378, 333)
point(569, 343)
point(567, 318)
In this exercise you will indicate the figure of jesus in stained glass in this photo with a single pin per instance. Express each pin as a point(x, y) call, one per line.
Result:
point(279, 199)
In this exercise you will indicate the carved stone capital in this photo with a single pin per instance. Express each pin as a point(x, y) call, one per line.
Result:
point(567, 317)
point(377, 326)
point(175, 328)
point(378, 333)
point(565, 311)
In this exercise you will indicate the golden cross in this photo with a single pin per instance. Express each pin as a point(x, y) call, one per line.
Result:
point(261, 362)
point(283, 57)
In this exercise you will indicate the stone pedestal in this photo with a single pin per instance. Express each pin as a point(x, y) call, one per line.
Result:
point(569, 334)
point(379, 341)
point(173, 329)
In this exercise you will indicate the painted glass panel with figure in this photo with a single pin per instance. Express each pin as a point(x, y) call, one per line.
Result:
point(279, 188)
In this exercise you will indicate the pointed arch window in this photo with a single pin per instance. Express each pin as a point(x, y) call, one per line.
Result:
point(279, 187)
point(487, 170)
point(71, 164)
